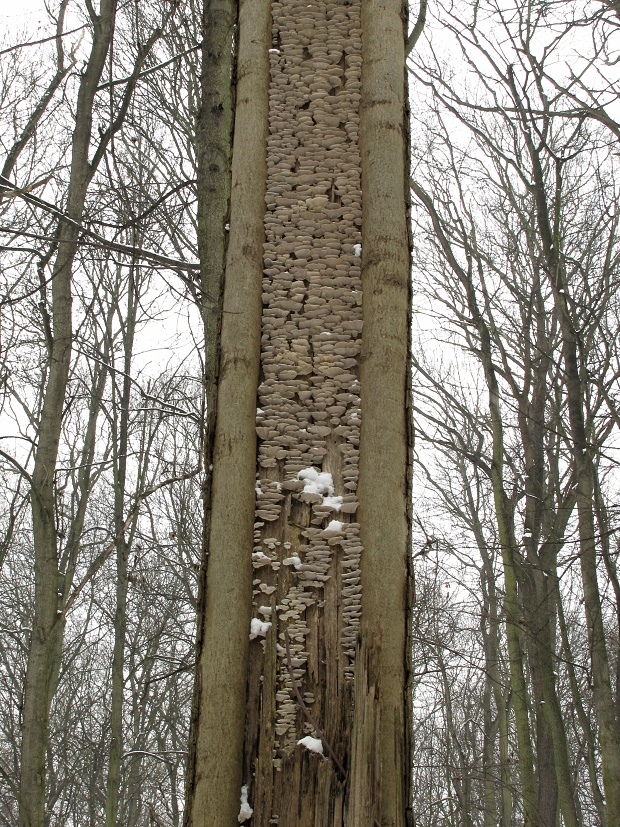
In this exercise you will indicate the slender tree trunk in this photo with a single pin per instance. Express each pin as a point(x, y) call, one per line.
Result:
point(489, 814)
point(505, 528)
point(581, 454)
point(584, 721)
point(605, 532)
point(120, 435)
point(505, 525)
point(494, 683)
point(555, 777)
point(458, 777)
point(609, 730)
point(213, 162)
point(493, 730)
point(215, 779)
point(45, 648)
point(380, 766)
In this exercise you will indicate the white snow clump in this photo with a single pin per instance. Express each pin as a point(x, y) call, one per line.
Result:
point(316, 482)
point(333, 502)
point(320, 482)
point(312, 744)
point(245, 811)
point(292, 561)
point(258, 627)
point(335, 526)
point(357, 250)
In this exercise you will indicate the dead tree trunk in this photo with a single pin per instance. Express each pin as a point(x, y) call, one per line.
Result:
point(298, 763)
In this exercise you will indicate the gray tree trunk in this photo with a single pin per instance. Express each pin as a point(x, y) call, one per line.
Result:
point(215, 774)
point(46, 645)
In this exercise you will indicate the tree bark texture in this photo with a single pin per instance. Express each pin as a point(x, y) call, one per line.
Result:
point(381, 755)
point(45, 649)
point(214, 133)
point(215, 780)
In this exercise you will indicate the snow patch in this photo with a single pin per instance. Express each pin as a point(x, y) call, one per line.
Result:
point(245, 811)
point(334, 503)
point(312, 744)
point(292, 561)
point(259, 555)
point(320, 482)
point(335, 526)
point(258, 627)
point(357, 250)
point(316, 482)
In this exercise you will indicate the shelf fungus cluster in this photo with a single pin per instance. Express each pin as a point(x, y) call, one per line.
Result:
point(306, 542)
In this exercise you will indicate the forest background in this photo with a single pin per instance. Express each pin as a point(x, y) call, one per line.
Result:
point(514, 180)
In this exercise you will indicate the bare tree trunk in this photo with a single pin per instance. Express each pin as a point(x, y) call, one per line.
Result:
point(493, 730)
point(213, 160)
point(505, 527)
point(584, 721)
point(120, 436)
point(213, 797)
point(380, 763)
point(47, 627)
point(581, 454)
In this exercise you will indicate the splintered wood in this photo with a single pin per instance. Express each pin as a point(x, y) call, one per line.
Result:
point(307, 549)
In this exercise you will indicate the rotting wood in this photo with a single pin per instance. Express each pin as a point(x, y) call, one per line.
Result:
point(306, 574)
point(307, 544)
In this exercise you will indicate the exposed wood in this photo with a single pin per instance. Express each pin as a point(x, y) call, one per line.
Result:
point(307, 575)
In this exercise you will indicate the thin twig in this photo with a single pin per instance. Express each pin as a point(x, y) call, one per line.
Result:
point(38, 42)
point(149, 71)
point(137, 252)
point(107, 551)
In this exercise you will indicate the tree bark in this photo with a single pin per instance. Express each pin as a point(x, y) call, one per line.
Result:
point(214, 133)
point(380, 765)
point(213, 796)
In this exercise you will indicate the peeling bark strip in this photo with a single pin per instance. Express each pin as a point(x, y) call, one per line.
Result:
point(306, 543)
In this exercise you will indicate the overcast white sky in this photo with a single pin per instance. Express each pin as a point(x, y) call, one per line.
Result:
point(22, 14)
